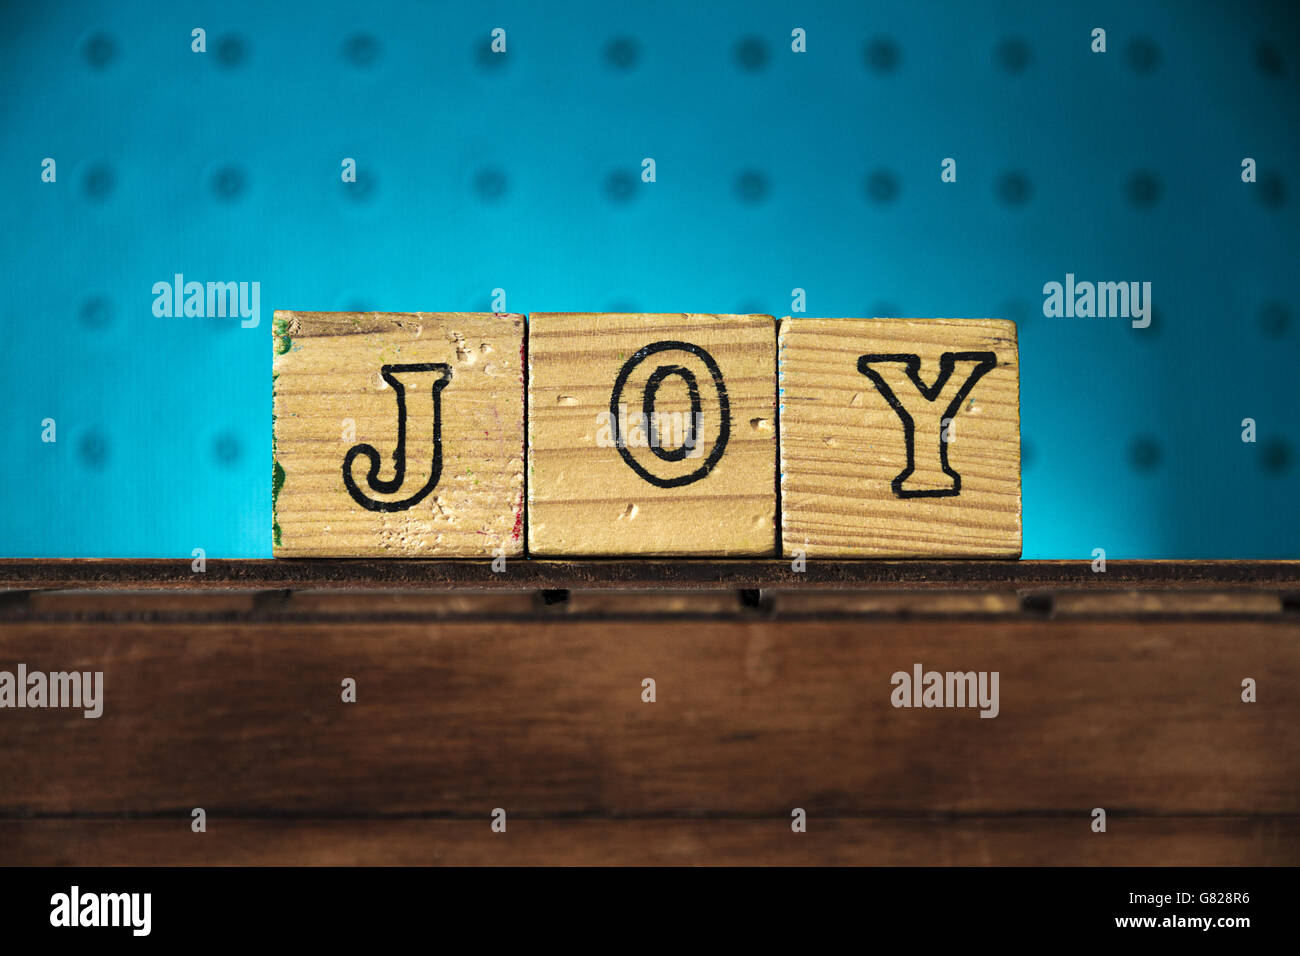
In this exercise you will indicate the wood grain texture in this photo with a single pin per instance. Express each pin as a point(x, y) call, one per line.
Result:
point(584, 498)
point(753, 717)
point(843, 446)
point(1018, 840)
point(1203, 603)
point(827, 601)
point(331, 397)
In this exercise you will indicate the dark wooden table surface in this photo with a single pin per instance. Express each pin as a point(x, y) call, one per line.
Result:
point(523, 691)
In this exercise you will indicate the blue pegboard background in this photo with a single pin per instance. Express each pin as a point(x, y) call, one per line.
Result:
point(776, 170)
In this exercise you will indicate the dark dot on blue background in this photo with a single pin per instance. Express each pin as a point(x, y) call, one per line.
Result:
point(364, 305)
point(95, 312)
point(1271, 190)
point(365, 187)
point(100, 50)
point(1275, 456)
point(751, 54)
point(1143, 55)
point(92, 449)
point(1028, 453)
point(622, 305)
point(1014, 188)
point(1274, 319)
point(751, 307)
point(98, 182)
point(226, 449)
point(885, 310)
point(621, 53)
point(1144, 454)
point(882, 186)
point(751, 186)
point(231, 51)
point(221, 323)
point(882, 55)
point(620, 186)
point(1154, 330)
point(1268, 60)
point(361, 50)
point(229, 183)
point(1013, 55)
point(490, 184)
point(487, 60)
point(1144, 189)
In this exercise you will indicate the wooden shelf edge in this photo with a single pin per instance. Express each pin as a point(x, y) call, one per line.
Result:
point(537, 574)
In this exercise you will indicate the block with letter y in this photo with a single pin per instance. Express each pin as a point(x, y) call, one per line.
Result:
point(899, 438)
point(398, 434)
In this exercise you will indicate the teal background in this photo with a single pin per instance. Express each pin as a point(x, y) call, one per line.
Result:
point(775, 170)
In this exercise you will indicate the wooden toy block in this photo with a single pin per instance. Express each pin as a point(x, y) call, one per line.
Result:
point(900, 438)
point(398, 434)
point(651, 435)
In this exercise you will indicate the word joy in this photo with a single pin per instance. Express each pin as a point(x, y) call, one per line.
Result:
point(213, 300)
point(678, 436)
point(453, 434)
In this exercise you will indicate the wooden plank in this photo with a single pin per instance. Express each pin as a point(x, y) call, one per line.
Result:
point(828, 602)
point(1066, 840)
point(229, 605)
point(899, 438)
point(751, 717)
point(499, 604)
point(606, 478)
point(192, 603)
point(361, 574)
point(398, 434)
point(1203, 603)
point(429, 604)
point(661, 603)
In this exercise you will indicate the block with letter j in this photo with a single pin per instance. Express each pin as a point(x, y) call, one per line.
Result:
point(398, 434)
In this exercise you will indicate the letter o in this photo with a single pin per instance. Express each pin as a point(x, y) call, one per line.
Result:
point(647, 403)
